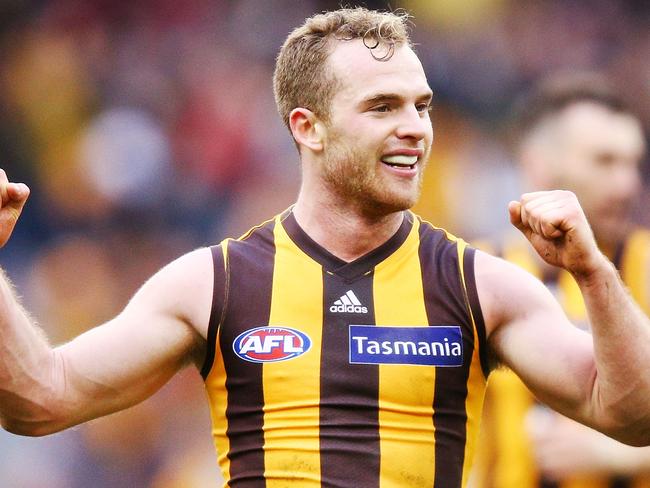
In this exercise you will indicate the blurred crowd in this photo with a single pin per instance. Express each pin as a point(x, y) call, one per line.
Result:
point(148, 128)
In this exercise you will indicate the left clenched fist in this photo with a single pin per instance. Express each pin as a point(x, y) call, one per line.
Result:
point(557, 228)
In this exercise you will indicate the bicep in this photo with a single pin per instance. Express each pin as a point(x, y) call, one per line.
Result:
point(125, 360)
point(528, 332)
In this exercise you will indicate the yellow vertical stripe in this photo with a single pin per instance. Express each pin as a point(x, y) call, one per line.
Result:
point(292, 387)
point(520, 255)
point(218, 398)
point(474, 408)
point(406, 433)
point(635, 265)
point(475, 385)
point(215, 385)
point(641, 482)
point(586, 482)
point(514, 466)
point(571, 299)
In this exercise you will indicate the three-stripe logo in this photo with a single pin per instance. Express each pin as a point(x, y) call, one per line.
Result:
point(348, 303)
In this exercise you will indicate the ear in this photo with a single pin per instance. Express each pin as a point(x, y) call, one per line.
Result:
point(307, 129)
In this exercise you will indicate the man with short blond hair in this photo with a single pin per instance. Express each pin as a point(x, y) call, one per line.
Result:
point(346, 342)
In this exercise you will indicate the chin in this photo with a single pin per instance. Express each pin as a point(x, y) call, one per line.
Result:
point(397, 203)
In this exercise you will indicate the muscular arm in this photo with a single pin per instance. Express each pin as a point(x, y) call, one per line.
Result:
point(110, 367)
point(602, 381)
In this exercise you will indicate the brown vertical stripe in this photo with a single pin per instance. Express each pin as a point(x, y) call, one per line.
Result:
point(621, 482)
point(444, 297)
point(250, 268)
point(544, 483)
point(218, 303)
point(619, 252)
point(349, 422)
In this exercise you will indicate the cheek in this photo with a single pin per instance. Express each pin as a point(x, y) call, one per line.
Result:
point(355, 138)
point(429, 136)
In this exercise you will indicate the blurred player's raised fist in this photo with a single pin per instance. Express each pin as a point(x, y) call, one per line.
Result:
point(14, 196)
point(557, 228)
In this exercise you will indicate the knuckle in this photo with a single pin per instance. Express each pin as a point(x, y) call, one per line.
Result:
point(569, 195)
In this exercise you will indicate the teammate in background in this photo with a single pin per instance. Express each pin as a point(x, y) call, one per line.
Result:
point(573, 132)
point(388, 391)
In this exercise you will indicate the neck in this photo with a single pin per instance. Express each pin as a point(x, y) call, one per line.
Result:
point(343, 229)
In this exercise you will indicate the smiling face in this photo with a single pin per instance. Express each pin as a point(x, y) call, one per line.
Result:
point(378, 136)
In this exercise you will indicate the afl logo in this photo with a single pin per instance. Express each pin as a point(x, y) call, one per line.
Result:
point(271, 344)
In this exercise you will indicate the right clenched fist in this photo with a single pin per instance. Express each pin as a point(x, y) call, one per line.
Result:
point(14, 196)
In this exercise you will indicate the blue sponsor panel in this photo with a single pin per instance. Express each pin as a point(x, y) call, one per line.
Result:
point(440, 345)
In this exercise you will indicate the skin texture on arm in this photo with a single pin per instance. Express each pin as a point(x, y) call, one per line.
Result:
point(603, 382)
point(110, 367)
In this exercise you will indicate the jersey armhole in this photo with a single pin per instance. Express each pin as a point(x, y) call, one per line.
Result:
point(475, 307)
point(219, 301)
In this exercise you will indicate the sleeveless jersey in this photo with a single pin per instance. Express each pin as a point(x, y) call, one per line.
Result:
point(365, 374)
point(505, 457)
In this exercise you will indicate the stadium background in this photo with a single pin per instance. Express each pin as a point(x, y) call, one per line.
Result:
point(148, 128)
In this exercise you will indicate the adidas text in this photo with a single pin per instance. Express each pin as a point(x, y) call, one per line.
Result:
point(348, 309)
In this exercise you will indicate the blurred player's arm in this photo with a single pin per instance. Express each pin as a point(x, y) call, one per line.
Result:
point(564, 448)
point(604, 381)
point(109, 368)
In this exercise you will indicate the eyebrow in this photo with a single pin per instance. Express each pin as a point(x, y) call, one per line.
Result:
point(392, 97)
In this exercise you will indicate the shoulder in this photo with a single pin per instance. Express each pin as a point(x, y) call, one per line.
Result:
point(427, 229)
point(438, 243)
point(191, 268)
point(518, 310)
point(507, 292)
point(183, 289)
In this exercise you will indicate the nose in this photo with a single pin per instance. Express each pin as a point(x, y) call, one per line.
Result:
point(413, 124)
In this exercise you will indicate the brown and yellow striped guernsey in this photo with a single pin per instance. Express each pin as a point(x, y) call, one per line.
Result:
point(365, 374)
point(505, 458)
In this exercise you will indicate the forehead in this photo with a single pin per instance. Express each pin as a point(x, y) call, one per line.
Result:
point(360, 75)
point(593, 125)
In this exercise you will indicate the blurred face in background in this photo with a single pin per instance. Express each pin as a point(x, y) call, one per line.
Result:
point(595, 153)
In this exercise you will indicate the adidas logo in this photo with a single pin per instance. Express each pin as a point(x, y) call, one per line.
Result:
point(348, 303)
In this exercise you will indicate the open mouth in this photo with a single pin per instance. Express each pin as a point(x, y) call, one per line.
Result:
point(400, 161)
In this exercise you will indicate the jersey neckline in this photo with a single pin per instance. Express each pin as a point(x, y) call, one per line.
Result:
point(334, 265)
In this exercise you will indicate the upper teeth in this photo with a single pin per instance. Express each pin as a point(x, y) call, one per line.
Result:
point(400, 159)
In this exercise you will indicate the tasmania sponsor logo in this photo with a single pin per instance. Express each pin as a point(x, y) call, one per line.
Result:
point(440, 345)
point(271, 344)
